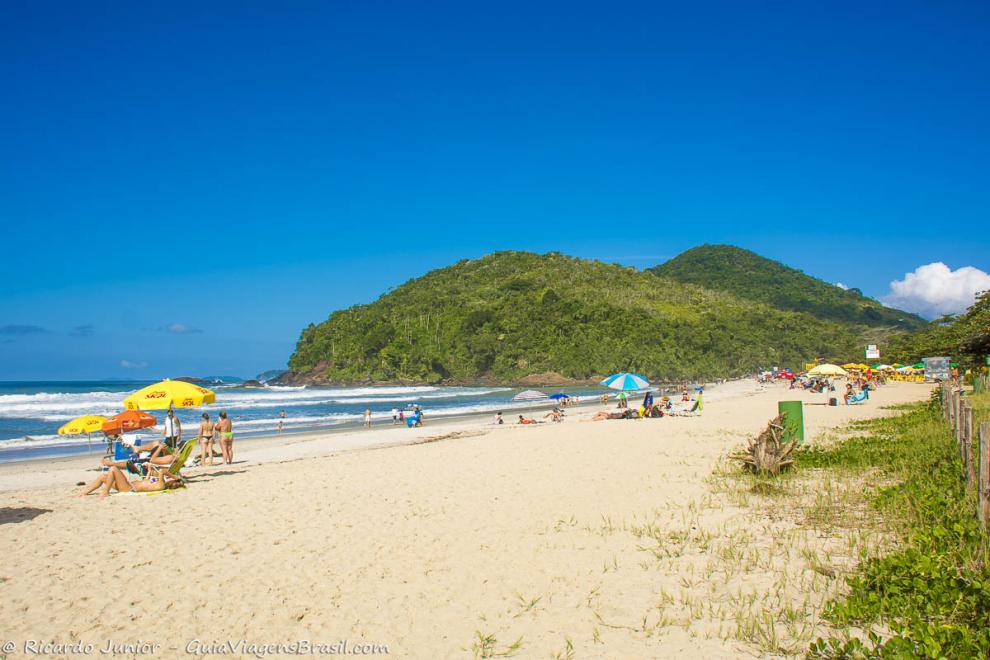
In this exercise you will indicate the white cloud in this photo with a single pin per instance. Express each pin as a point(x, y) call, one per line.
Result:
point(935, 289)
point(842, 286)
point(127, 364)
point(180, 329)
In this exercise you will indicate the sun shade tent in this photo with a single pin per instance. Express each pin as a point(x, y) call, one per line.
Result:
point(169, 394)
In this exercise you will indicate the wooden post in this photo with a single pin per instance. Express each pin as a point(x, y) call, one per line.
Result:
point(983, 500)
point(967, 435)
point(955, 411)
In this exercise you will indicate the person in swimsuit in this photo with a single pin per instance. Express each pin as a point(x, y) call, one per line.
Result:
point(206, 440)
point(226, 431)
point(115, 479)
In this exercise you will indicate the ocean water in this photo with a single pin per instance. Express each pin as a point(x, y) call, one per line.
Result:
point(32, 412)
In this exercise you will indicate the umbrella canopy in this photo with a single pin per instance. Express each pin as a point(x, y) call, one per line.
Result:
point(129, 420)
point(625, 381)
point(849, 365)
point(827, 370)
point(560, 395)
point(919, 365)
point(84, 424)
point(530, 395)
point(169, 394)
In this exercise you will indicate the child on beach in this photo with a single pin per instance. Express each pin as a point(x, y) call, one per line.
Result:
point(367, 418)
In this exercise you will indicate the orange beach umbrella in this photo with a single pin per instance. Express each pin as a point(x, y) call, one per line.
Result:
point(129, 420)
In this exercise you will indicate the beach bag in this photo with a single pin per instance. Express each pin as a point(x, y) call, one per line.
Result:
point(833, 401)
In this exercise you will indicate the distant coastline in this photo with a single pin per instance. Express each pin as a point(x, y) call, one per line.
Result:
point(550, 379)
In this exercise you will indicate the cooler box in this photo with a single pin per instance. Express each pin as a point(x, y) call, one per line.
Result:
point(128, 448)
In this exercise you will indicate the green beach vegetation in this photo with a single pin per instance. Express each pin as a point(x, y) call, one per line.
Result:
point(964, 338)
point(929, 595)
point(749, 276)
point(511, 315)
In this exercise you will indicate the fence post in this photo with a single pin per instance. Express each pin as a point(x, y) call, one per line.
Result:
point(955, 412)
point(967, 434)
point(983, 501)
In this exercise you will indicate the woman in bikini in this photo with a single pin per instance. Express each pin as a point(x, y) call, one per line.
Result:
point(115, 479)
point(226, 430)
point(206, 441)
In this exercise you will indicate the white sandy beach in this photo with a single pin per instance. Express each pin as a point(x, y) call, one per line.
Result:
point(475, 537)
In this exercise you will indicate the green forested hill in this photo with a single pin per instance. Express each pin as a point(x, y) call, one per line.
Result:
point(512, 314)
point(748, 275)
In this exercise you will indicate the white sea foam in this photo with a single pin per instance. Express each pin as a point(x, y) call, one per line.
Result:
point(56, 406)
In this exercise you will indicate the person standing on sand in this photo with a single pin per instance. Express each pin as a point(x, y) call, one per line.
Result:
point(367, 418)
point(281, 419)
point(206, 441)
point(226, 430)
point(395, 416)
point(172, 430)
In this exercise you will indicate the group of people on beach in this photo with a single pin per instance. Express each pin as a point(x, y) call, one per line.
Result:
point(400, 416)
point(153, 463)
point(220, 432)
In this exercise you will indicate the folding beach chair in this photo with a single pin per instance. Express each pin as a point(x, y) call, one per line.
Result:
point(858, 399)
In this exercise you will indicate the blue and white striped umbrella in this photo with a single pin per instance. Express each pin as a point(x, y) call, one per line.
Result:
point(530, 395)
point(624, 381)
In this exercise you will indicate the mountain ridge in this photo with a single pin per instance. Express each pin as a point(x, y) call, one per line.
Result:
point(508, 317)
point(749, 275)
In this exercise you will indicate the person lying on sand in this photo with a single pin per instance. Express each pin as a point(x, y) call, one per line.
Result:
point(115, 479)
point(604, 414)
point(523, 420)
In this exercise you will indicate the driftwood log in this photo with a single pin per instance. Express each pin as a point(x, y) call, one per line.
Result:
point(768, 453)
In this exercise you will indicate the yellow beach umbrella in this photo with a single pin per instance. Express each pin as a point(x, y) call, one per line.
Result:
point(828, 370)
point(850, 365)
point(169, 394)
point(84, 424)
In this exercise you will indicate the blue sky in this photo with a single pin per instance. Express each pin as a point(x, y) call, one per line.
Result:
point(184, 186)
